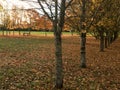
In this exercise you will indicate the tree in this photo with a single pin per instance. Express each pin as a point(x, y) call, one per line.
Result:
point(5, 20)
point(82, 14)
point(56, 14)
point(107, 26)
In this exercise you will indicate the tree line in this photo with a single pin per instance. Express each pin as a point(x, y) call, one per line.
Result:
point(101, 18)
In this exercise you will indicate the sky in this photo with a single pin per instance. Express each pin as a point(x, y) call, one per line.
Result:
point(25, 4)
point(8, 5)
point(21, 4)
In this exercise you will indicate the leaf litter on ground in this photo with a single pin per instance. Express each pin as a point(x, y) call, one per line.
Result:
point(29, 64)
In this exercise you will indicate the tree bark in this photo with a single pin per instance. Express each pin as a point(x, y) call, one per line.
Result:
point(83, 50)
point(101, 43)
point(58, 24)
point(58, 55)
point(115, 35)
point(106, 41)
point(83, 34)
point(101, 33)
point(109, 40)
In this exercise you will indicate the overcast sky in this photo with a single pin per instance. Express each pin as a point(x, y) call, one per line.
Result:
point(7, 4)
point(25, 4)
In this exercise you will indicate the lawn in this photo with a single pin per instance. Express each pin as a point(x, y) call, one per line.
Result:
point(36, 33)
point(28, 63)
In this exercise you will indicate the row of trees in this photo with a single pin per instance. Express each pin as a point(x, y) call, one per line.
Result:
point(100, 17)
point(20, 18)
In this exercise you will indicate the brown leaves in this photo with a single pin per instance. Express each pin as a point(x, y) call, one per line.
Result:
point(33, 66)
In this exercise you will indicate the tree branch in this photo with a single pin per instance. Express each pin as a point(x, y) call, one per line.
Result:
point(46, 13)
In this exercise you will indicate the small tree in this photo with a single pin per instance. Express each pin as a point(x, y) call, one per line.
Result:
point(56, 14)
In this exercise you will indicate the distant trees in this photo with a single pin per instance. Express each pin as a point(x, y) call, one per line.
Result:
point(108, 25)
point(5, 20)
point(19, 19)
point(43, 23)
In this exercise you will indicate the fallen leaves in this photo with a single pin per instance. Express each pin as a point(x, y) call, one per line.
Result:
point(30, 64)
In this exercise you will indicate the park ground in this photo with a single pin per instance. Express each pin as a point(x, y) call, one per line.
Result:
point(28, 63)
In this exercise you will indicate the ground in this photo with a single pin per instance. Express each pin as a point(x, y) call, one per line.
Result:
point(28, 63)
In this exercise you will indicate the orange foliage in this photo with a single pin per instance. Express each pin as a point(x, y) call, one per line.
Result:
point(44, 23)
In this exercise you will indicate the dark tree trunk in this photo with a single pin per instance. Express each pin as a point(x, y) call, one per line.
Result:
point(58, 55)
point(109, 40)
point(106, 41)
point(106, 38)
point(101, 33)
point(58, 24)
point(83, 50)
point(101, 43)
point(83, 34)
point(115, 35)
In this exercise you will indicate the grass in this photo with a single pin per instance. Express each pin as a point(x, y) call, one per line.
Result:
point(37, 33)
point(20, 57)
point(28, 63)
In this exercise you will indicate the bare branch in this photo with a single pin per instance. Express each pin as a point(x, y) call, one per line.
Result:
point(46, 13)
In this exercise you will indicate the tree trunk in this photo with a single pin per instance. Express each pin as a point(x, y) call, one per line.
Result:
point(83, 34)
point(106, 41)
point(115, 35)
point(58, 24)
point(109, 40)
point(102, 43)
point(58, 54)
point(101, 33)
point(3, 32)
point(83, 50)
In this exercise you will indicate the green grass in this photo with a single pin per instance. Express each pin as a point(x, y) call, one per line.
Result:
point(37, 33)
